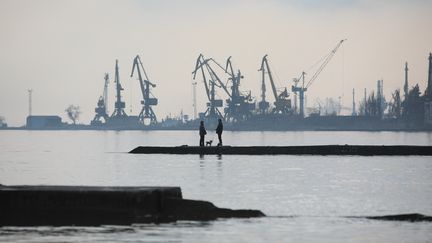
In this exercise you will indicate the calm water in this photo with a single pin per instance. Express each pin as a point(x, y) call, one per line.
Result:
point(306, 197)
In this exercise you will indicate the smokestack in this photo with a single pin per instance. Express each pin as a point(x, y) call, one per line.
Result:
point(406, 81)
point(429, 87)
point(354, 113)
point(30, 102)
point(365, 103)
point(380, 97)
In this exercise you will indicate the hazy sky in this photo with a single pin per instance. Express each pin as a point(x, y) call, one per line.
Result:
point(61, 49)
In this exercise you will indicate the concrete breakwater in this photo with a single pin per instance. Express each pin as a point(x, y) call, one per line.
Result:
point(92, 206)
point(413, 217)
point(362, 150)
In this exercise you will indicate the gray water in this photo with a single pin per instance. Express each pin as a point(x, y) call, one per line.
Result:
point(306, 198)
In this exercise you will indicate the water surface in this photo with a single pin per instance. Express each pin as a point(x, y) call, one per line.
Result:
point(305, 197)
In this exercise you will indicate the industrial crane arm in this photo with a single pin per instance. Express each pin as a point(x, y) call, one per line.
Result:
point(141, 82)
point(229, 64)
point(326, 61)
point(213, 73)
point(199, 65)
point(264, 66)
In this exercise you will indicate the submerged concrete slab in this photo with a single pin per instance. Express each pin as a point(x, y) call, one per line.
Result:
point(78, 205)
point(362, 150)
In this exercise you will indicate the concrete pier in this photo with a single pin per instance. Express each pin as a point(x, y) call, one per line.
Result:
point(410, 217)
point(92, 206)
point(362, 150)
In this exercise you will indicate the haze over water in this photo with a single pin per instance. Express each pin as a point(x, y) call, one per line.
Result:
point(305, 197)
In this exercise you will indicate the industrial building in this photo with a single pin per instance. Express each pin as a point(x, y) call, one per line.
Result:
point(43, 122)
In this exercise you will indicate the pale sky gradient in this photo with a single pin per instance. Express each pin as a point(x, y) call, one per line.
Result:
point(61, 49)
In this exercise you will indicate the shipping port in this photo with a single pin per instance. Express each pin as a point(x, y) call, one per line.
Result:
point(271, 108)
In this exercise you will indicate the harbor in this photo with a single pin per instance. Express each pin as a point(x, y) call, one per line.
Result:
point(410, 110)
point(215, 121)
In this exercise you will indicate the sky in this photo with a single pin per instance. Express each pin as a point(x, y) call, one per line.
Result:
point(61, 49)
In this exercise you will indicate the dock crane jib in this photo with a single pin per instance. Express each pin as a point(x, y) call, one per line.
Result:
point(198, 66)
point(148, 101)
point(302, 89)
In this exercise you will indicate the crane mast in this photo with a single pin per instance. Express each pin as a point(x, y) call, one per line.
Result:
point(119, 104)
point(105, 93)
point(101, 108)
point(147, 112)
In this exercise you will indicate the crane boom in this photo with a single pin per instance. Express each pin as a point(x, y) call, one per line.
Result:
point(199, 63)
point(265, 66)
point(136, 65)
point(216, 77)
point(325, 62)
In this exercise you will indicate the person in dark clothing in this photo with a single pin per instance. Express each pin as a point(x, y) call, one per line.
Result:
point(202, 133)
point(219, 130)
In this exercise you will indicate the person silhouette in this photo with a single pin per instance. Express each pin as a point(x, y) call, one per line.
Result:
point(202, 133)
point(219, 130)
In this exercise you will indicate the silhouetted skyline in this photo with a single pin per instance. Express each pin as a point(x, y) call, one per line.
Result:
point(61, 49)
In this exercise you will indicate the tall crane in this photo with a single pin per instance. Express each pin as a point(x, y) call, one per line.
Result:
point(304, 88)
point(238, 105)
point(119, 104)
point(148, 100)
point(282, 103)
point(210, 84)
point(101, 108)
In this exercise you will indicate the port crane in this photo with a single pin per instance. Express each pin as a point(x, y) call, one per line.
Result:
point(148, 101)
point(282, 102)
point(102, 104)
point(239, 106)
point(303, 88)
point(119, 104)
point(210, 84)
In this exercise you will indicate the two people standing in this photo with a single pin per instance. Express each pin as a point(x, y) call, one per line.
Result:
point(203, 132)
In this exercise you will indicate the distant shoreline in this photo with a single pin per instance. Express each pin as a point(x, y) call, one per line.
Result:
point(316, 129)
